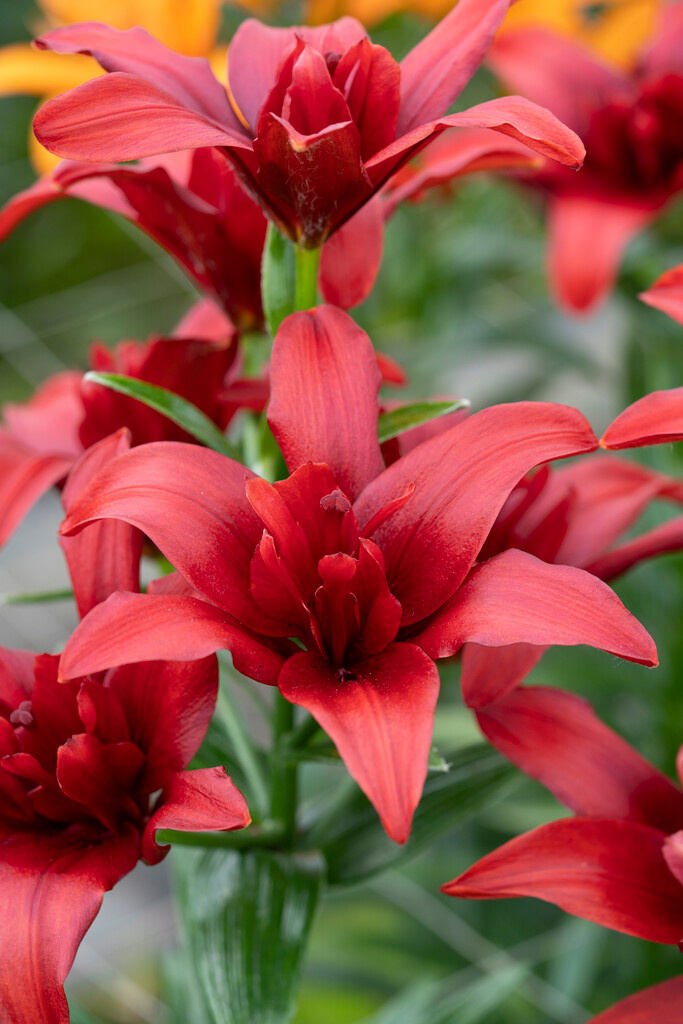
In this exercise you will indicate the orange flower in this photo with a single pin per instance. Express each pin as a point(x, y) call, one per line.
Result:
point(188, 26)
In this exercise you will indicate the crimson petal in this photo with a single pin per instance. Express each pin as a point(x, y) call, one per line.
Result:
point(203, 800)
point(654, 419)
point(462, 478)
point(129, 628)
point(667, 293)
point(661, 1002)
point(609, 872)
point(51, 888)
point(351, 258)
point(323, 408)
point(24, 478)
point(516, 598)
point(381, 720)
point(659, 541)
point(488, 673)
point(557, 738)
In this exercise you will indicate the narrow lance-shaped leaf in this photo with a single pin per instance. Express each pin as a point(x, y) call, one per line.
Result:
point(179, 410)
point(246, 918)
point(357, 847)
point(397, 421)
point(278, 278)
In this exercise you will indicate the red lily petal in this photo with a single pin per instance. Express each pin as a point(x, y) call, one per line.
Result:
point(311, 102)
point(660, 1002)
point(381, 721)
point(462, 478)
point(49, 423)
point(188, 80)
point(556, 737)
point(488, 673)
point(24, 478)
point(654, 419)
point(99, 776)
point(105, 557)
point(351, 258)
point(16, 677)
point(659, 541)
point(169, 705)
point(436, 70)
point(122, 117)
point(665, 53)
point(162, 487)
point(609, 872)
point(516, 598)
point(207, 321)
point(583, 263)
point(203, 800)
point(314, 421)
point(514, 116)
point(369, 78)
point(455, 153)
point(667, 293)
point(556, 72)
point(51, 888)
point(128, 628)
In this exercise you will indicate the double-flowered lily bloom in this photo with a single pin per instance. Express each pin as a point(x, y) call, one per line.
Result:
point(343, 583)
point(189, 26)
point(89, 770)
point(631, 125)
point(315, 120)
point(41, 439)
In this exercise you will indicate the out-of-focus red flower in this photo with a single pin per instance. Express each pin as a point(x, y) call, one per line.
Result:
point(370, 570)
point(41, 439)
point(667, 293)
point(620, 862)
point(89, 770)
point(631, 125)
point(661, 1002)
point(656, 418)
point(574, 515)
point(315, 120)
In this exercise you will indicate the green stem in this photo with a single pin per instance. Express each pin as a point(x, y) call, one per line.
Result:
point(244, 752)
point(270, 833)
point(303, 732)
point(283, 794)
point(306, 292)
point(38, 597)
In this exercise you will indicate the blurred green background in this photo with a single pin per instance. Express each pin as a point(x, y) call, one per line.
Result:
point(462, 302)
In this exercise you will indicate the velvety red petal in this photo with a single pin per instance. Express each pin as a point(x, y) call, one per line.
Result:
point(323, 407)
point(666, 293)
point(488, 673)
point(659, 541)
point(557, 738)
point(104, 557)
point(516, 598)
point(24, 479)
point(659, 1003)
point(128, 628)
point(16, 677)
point(204, 800)
point(189, 80)
point(121, 117)
point(654, 419)
point(99, 776)
point(435, 71)
point(609, 872)
point(587, 238)
point(462, 478)
point(169, 706)
point(555, 72)
point(381, 721)
point(51, 888)
point(161, 488)
point(205, 320)
point(369, 78)
point(48, 424)
point(351, 258)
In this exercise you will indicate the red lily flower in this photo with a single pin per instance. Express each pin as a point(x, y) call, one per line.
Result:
point(80, 764)
point(620, 863)
point(655, 419)
point(41, 439)
point(634, 164)
point(661, 1002)
point(370, 569)
point(667, 293)
point(316, 121)
point(574, 515)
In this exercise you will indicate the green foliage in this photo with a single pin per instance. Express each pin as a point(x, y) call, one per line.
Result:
point(278, 278)
point(397, 421)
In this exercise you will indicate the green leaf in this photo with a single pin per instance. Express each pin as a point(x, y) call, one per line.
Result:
point(175, 408)
point(278, 278)
point(356, 846)
point(391, 424)
point(246, 918)
point(468, 1004)
point(38, 597)
point(181, 990)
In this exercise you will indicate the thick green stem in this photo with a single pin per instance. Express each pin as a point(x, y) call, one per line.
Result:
point(270, 833)
point(306, 292)
point(283, 793)
point(245, 753)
